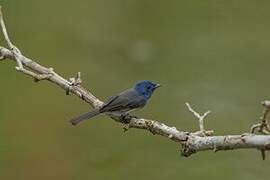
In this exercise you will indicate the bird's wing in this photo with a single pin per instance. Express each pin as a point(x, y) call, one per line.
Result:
point(126, 100)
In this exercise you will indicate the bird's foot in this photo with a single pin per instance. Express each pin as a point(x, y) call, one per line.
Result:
point(126, 118)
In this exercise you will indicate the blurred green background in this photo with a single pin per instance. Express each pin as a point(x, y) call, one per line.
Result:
point(213, 54)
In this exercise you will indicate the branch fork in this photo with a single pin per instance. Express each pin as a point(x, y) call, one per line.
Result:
point(263, 127)
point(74, 81)
point(202, 131)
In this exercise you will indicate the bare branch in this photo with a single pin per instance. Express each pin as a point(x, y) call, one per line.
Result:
point(229, 142)
point(190, 142)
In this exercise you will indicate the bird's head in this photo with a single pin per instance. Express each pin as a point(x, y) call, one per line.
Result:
point(146, 88)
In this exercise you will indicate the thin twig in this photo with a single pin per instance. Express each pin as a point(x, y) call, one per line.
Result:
point(200, 117)
point(14, 49)
point(263, 126)
point(4, 30)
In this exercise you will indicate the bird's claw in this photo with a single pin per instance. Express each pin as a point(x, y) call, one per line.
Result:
point(126, 118)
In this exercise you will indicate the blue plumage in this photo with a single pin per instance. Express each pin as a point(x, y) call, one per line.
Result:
point(124, 102)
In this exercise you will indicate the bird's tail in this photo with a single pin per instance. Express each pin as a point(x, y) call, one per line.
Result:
point(88, 115)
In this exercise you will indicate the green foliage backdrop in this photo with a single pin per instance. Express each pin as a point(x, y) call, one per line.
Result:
point(214, 54)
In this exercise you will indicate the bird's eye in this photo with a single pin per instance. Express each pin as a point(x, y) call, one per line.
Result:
point(148, 87)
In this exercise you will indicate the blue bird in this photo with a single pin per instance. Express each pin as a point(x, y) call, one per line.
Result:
point(124, 102)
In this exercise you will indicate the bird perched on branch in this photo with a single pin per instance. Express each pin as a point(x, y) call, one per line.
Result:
point(124, 102)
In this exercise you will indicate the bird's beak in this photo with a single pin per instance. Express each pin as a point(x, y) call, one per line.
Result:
point(157, 86)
